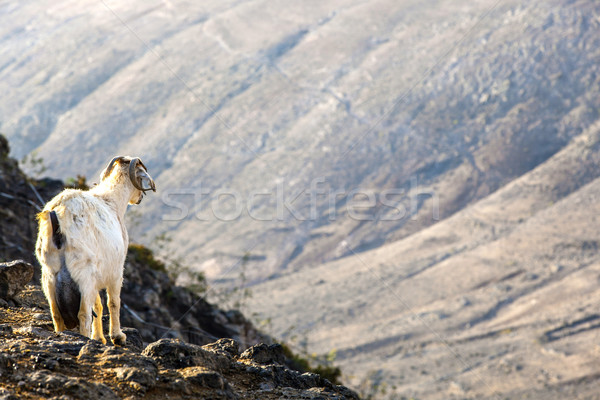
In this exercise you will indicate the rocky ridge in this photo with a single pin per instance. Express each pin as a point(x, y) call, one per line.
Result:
point(20, 199)
point(37, 363)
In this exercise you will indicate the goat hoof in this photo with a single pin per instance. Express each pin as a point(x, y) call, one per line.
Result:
point(119, 340)
point(100, 339)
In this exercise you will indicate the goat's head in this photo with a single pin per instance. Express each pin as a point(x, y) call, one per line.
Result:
point(136, 171)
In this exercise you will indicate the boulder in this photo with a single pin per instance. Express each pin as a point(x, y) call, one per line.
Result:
point(265, 354)
point(13, 278)
point(48, 383)
point(173, 353)
point(227, 347)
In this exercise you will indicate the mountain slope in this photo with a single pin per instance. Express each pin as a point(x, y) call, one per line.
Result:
point(499, 299)
point(244, 98)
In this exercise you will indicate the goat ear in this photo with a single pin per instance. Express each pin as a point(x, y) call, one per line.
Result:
point(110, 166)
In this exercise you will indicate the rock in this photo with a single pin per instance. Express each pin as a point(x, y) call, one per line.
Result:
point(116, 357)
point(314, 380)
point(42, 317)
point(265, 354)
point(90, 350)
point(227, 347)
point(175, 382)
point(346, 393)
point(7, 395)
point(4, 147)
point(13, 278)
point(173, 353)
point(67, 343)
point(48, 383)
point(144, 377)
point(322, 394)
point(204, 377)
point(6, 365)
point(212, 380)
point(284, 377)
point(6, 329)
point(134, 340)
point(34, 331)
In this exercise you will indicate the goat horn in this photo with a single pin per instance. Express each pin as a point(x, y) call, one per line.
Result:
point(132, 175)
point(109, 168)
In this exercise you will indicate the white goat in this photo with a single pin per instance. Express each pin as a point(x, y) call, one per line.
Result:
point(82, 243)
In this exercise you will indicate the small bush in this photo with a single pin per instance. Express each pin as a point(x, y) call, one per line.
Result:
point(323, 368)
point(77, 183)
point(145, 256)
point(329, 372)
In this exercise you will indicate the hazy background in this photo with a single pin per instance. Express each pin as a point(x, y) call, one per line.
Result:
point(471, 271)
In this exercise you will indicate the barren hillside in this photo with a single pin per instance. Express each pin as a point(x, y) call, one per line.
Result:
point(499, 300)
point(482, 110)
point(255, 97)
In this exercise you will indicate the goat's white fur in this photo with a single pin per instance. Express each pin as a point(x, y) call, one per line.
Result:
point(96, 245)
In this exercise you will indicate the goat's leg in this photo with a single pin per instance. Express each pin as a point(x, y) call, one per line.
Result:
point(85, 313)
point(49, 288)
point(97, 333)
point(114, 306)
point(57, 320)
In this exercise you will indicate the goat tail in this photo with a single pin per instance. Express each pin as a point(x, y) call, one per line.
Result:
point(45, 251)
point(45, 228)
point(49, 227)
